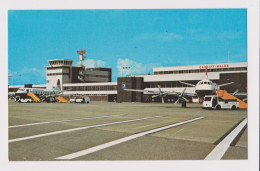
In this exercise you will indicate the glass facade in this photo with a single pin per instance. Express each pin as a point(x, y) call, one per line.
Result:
point(91, 88)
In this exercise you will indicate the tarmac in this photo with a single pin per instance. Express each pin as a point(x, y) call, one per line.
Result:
point(120, 131)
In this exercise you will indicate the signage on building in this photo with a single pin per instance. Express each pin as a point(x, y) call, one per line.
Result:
point(213, 66)
point(123, 85)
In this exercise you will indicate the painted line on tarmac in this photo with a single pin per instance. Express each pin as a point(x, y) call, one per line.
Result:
point(68, 120)
point(115, 142)
point(218, 152)
point(77, 129)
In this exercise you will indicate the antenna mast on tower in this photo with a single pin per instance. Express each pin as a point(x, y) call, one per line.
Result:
point(81, 57)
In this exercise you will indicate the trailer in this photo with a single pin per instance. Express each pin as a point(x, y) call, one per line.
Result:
point(215, 102)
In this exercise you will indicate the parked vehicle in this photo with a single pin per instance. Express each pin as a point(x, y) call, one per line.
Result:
point(73, 100)
point(50, 100)
point(215, 102)
point(82, 100)
point(23, 100)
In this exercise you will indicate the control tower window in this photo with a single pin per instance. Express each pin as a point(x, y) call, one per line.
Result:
point(58, 82)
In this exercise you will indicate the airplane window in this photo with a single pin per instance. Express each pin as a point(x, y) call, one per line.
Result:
point(204, 82)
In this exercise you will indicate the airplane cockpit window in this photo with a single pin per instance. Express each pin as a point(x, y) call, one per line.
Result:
point(204, 82)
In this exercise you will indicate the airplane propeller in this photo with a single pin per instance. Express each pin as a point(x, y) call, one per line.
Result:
point(161, 94)
point(181, 96)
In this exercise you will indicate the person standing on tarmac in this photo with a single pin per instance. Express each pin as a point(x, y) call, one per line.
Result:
point(183, 104)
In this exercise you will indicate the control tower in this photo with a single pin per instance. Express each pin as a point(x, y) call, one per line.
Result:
point(62, 72)
point(59, 72)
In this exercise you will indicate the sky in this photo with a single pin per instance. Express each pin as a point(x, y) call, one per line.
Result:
point(140, 39)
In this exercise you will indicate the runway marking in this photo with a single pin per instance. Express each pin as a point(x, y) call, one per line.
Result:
point(76, 129)
point(218, 152)
point(68, 120)
point(115, 142)
point(148, 125)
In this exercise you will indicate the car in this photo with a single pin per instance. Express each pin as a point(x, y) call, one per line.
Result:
point(83, 100)
point(73, 100)
point(25, 100)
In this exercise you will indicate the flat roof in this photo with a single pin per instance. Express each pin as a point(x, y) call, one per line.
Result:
point(202, 66)
point(61, 60)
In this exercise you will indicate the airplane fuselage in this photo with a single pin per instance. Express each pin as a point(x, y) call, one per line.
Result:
point(205, 87)
point(24, 91)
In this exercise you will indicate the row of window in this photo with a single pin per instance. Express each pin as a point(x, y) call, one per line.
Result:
point(201, 70)
point(91, 88)
point(92, 75)
point(51, 74)
point(171, 84)
point(60, 62)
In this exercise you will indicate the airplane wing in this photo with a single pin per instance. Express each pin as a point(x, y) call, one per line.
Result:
point(153, 91)
point(190, 94)
point(221, 85)
point(241, 94)
point(144, 91)
point(187, 84)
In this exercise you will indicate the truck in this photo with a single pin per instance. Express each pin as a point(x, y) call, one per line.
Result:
point(215, 102)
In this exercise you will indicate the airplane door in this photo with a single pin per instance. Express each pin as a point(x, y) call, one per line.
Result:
point(214, 101)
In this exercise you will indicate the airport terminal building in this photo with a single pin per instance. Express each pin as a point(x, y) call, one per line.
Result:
point(96, 82)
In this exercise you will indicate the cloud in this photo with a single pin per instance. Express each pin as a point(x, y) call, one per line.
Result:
point(202, 35)
point(135, 67)
point(229, 35)
point(91, 63)
point(27, 76)
point(159, 37)
point(193, 30)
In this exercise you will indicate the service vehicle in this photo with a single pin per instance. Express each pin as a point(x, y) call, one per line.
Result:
point(23, 100)
point(73, 100)
point(215, 102)
point(82, 100)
